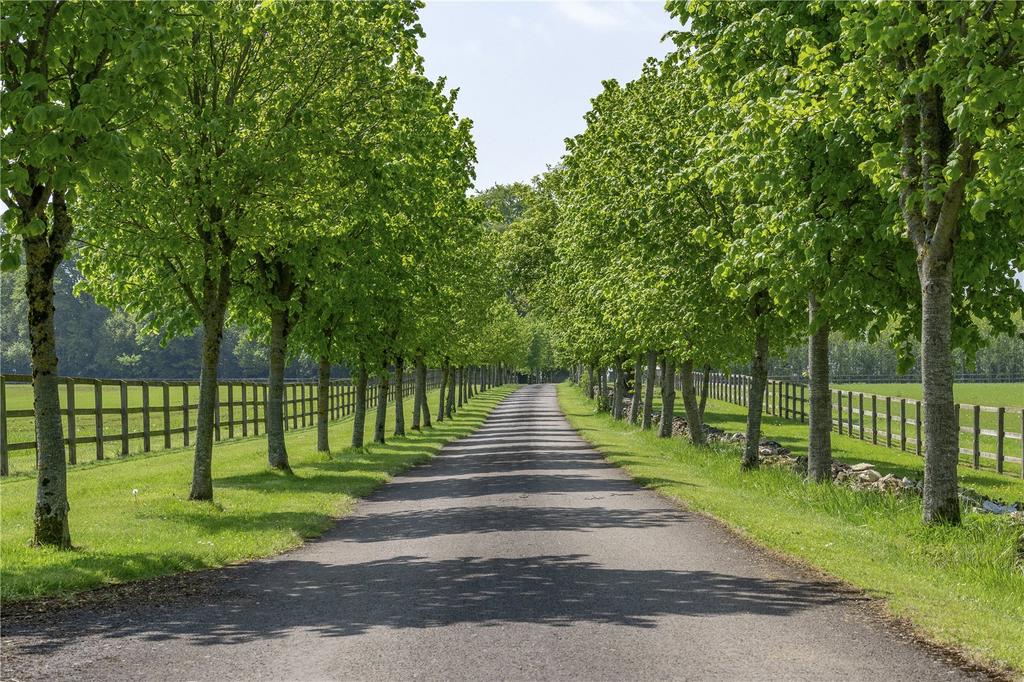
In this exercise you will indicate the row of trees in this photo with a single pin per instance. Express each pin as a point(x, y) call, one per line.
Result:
point(794, 170)
point(285, 166)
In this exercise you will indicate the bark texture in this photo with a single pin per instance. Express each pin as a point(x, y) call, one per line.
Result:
point(277, 452)
point(399, 398)
point(443, 388)
point(424, 404)
point(941, 503)
point(619, 390)
point(590, 381)
point(323, 404)
point(668, 397)
point(43, 253)
point(634, 405)
point(359, 413)
point(652, 372)
point(449, 410)
point(819, 418)
point(758, 380)
point(693, 417)
point(704, 389)
point(382, 407)
point(215, 300)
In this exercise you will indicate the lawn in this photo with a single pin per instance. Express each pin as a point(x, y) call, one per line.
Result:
point(852, 450)
point(958, 586)
point(994, 395)
point(121, 537)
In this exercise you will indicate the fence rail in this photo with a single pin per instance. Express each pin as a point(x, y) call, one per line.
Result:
point(119, 417)
point(890, 421)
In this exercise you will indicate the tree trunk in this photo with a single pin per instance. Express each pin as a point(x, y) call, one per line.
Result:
point(417, 404)
point(359, 415)
point(449, 410)
point(323, 404)
point(51, 512)
point(819, 423)
point(634, 405)
point(399, 398)
point(382, 407)
point(424, 404)
point(704, 387)
point(668, 397)
point(652, 372)
point(215, 298)
point(758, 380)
point(277, 453)
point(590, 381)
point(443, 387)
point(693, 419)
point(618, 390)
point(941, 442)
point(462, 383)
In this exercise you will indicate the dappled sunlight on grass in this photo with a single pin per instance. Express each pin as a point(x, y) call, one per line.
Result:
point(256, 511)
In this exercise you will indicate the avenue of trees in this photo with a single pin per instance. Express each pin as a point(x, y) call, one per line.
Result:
point(793, 171)
point(286, 168)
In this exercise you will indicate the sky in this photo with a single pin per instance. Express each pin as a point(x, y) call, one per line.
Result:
point(526, 71)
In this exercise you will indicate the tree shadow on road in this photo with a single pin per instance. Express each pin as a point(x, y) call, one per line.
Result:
point(273, 599)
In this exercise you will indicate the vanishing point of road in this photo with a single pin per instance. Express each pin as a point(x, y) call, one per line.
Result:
point(517, 554)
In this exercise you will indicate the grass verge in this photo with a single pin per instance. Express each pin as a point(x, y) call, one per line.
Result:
point(121, 537)
point(957, 586)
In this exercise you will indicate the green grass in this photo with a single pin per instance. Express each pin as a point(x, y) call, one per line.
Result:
point(793, 435)
point(256, 512)
point(958, 586)
point(994, 395)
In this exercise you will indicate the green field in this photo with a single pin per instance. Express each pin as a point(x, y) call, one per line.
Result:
point(994, 395)
point(232, 415)
point(958, 586)
point(257, 512)
point(1009, 396)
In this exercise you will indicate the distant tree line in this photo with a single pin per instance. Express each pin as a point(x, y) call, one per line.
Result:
point(95, 341)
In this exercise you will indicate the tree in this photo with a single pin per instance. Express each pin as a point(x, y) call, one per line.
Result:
point(78, 78)
point(941, 81)
point(195, 202)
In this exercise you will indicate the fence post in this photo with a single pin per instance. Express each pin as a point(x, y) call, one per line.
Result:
point(255, 409)
point(849, 413)
point(72, 450)
point(184, 413)
point(839, 410)
point(167, 414)
point(803, 404)
point(860, 413)
point(216, 413)
point(4, 464)
point(977, 436)
point(874, 419)
point(302, 391)
point(124, 418)
point(145, 417)
point(1000, 437)
point(231, 410)
point(917, 428)
point(888, 421)
point(97, 389)
point(903, 424)
point(264, 403)
point(245, 410)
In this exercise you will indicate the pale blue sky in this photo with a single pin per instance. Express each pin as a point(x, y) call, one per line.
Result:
point(526, 70)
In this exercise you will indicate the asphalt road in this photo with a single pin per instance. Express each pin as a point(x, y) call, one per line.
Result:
point(519, 553)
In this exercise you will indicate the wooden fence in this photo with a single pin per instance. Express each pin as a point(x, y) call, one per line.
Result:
point(110, 416)
point(889, 421)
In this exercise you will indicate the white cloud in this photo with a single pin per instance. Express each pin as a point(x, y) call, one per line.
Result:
point(590, 14)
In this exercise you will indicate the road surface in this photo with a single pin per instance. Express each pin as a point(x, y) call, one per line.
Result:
point(518, 553)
